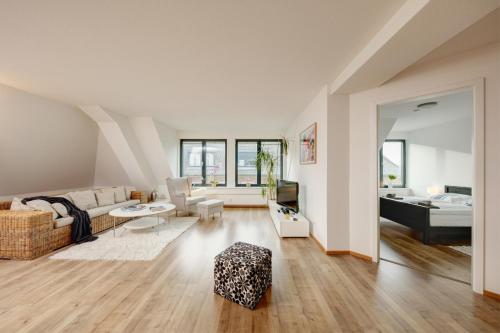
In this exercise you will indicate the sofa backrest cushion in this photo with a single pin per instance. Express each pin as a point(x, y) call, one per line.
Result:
point(84, 199)
point(65, 196)
point(60, 209)
point(16, 204)
point(105, 197)
point(120, 195)
point(44, 206)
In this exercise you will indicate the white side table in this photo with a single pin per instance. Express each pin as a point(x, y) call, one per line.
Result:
point(142, 222)
point(210, 207)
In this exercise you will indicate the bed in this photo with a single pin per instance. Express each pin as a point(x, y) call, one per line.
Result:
point(443, 222)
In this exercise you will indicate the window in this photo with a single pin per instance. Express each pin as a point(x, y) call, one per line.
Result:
point(393, 163)
point(204, 161)
point(247, 172)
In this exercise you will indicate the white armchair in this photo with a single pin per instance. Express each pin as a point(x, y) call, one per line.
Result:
point(179, 190)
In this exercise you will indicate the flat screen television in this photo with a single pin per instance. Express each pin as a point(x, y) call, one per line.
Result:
point(287, 194)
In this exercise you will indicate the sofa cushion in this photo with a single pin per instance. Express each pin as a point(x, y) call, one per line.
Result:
point(94, 212)
point(120, 195)
point(44, 206)
point(84, 199)
point(16, 204)
point(63, 221)
point(60, 209)
point(105, 197)
point(98, 211)
point(194, 200)
point(65, 196)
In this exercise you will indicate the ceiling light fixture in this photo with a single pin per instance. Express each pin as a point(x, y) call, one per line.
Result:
point(427, 105)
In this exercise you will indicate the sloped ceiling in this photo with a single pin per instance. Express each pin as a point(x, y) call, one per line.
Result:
point(191, 64)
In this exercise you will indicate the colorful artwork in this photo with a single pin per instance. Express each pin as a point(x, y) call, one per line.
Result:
point(308, 145)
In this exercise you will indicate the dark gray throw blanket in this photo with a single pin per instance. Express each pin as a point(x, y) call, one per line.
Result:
point(81, 229)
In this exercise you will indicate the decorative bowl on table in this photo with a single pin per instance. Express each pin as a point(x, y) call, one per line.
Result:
point(133, 208)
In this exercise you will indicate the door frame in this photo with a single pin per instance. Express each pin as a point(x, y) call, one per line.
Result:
point(477, 88)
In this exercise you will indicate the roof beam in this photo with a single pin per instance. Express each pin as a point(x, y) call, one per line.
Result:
point(417, 28)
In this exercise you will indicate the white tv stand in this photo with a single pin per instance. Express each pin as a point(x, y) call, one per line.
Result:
point(285, 225)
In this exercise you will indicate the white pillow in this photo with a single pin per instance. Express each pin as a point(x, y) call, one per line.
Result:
point(16, 204)
point(459, 199)
point(84, 199)
point(128, 190)
point(439, 197)
point(44, 206)
point(60, 209)
point(120, 195)
point(105, 197)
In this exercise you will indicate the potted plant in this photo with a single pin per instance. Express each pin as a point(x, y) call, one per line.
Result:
point(213, 173)
point(284, 142)
point(391, 179)
point(267, 161)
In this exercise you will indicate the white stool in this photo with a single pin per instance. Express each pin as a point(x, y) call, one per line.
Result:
point(210, 207)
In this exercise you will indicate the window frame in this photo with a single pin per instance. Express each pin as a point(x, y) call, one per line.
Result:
point(403, 167)
point(259, 171)
point(203, 160)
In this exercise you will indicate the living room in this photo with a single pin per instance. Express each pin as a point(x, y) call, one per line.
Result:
point(147, 149)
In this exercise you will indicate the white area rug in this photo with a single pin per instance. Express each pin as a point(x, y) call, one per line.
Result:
point(128, 245)
point(464, 249)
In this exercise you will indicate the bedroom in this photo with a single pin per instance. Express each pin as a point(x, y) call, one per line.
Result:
point(426, 175)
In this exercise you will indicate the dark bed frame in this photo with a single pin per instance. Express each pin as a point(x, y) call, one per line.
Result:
point(417, 217)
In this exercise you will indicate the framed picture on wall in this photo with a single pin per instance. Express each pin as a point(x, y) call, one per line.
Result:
point(308, 143)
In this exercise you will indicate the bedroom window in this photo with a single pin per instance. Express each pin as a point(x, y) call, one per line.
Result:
point(204, 161)
point(393, 163)
point(247, 173)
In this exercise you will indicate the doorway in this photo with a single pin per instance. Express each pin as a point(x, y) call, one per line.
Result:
point(429, 181)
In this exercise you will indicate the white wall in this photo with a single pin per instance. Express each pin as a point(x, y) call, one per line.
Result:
point(440, 155)
point(170, 151)
point(44, 145)
point(337, 170)
point(482, 62)
point(311, 177)
point(170, 145)
point(108, 169)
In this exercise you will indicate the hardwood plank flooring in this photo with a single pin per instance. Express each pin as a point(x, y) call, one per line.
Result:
point(311, 292)
point(401, 245)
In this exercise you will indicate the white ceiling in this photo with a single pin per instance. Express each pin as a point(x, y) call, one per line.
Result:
point(450, 107)
point(191, 64)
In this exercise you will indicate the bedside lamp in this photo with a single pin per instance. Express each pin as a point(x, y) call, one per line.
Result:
point(433, 190)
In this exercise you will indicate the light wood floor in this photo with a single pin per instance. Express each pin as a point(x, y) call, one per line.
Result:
point(401, 245)
point(311, 292)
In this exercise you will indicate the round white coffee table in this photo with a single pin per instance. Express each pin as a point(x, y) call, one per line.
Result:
point(143, 222)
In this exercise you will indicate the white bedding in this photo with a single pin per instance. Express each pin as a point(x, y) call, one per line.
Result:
point(448, 214)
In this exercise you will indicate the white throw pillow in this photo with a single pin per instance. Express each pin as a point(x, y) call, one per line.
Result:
point(120, 195)
point(128, 190)
point(105, 197)
point(16, 204)
point(60, 209)
point(44, 206)
point(84, 199)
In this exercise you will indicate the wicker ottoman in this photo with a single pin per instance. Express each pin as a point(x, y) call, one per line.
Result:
point(243, 273)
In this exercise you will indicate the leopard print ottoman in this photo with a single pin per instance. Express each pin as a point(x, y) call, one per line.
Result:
point(243, 273)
